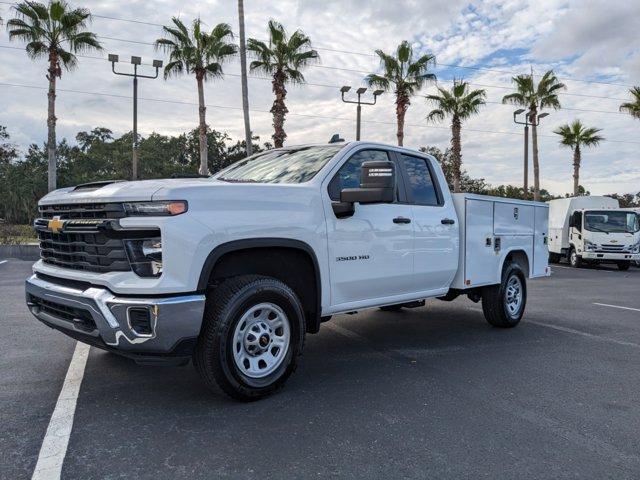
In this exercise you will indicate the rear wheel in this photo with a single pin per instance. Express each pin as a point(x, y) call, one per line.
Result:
point(575, 260)
point(623, 265)
point(503, 305)
point(252, 334)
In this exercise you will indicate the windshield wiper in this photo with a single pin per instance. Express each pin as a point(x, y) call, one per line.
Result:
point(237, 180)
point(598, 229)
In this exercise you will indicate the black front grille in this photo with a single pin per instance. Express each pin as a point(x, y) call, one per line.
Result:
point(91, 251)
point(83, 210)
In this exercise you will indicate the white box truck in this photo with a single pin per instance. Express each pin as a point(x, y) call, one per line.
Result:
point(592, 229)
point(232, 271)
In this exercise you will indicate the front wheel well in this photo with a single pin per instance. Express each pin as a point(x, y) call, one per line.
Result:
point(295, 267)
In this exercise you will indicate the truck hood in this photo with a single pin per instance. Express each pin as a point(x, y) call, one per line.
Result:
point(118, 191)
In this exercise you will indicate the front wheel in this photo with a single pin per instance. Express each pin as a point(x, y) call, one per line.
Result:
point(575, 260)
point(252, 334)
point(624, 265)
point(503, 305)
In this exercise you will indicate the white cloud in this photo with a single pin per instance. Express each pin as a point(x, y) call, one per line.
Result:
point(578, 39)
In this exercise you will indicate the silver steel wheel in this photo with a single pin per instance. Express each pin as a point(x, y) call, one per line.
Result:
point(261, 340)
point(513, 295)
point(573, 258)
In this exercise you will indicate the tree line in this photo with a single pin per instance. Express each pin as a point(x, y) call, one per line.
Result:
point(58, 32)
point(100, 155)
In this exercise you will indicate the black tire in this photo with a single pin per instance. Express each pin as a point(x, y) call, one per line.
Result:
point(623, 265)
point(391, 308)
point(494, 299)
point(554, 257)
point(575, 260)
point(225, 306)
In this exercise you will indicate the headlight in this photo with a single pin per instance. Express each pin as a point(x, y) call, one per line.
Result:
point(145, 256)
point(589, 245)
point(155, 209)
point(635, 248)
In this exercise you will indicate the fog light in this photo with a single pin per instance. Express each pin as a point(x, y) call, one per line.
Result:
point(140, 321)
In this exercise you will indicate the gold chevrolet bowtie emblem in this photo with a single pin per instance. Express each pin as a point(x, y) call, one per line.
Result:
point(55, 224)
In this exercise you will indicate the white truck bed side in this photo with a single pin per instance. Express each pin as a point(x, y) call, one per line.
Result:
point(491, 228)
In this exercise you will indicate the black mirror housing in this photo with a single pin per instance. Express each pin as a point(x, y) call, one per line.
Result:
point(377, 184)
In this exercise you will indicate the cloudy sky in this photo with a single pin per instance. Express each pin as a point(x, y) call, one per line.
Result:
point(591, 44)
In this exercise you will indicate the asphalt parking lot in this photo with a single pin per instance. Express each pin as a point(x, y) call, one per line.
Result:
point(427, 393)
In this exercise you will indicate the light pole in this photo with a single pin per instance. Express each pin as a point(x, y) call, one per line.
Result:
point(526, 123)
point(359, 102)
point(135, 61)
point(526, 147)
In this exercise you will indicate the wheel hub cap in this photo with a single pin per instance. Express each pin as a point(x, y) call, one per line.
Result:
point(513, 294)
point(261, 340)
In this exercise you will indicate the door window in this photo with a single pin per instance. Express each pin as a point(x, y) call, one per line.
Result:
point(349, 174)
point(421, 185)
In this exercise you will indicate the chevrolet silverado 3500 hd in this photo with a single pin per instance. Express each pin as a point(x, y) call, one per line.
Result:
point(232, 271)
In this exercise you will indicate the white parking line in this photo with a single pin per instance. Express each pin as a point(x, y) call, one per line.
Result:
point(618, 306)
point(585, 334)
point(3, 261)
point(56, 440)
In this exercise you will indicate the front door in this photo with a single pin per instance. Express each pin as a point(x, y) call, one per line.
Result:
point(371, 252)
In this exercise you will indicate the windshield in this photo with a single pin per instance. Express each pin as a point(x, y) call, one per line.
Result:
point(293, 165)
point(611, 221)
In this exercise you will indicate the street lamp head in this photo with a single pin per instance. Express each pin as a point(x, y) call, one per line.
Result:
point(136, 60)
point(542, 115)
point(519, 111)
point(113, 58)
point(361, 90)
point(377, 93)
point(157, 63)
point(345, 89)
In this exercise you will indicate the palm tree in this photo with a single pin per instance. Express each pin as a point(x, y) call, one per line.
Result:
point(632, 108)
point(58, 32)
point(576, 136)
point(199, 53)
point(405, 75)
point(535, 98)
point(460, 104)
point(282, 58)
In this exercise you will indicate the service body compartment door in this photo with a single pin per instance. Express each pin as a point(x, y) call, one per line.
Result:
point(540, 242)
point(480, 259)
point(513, 219)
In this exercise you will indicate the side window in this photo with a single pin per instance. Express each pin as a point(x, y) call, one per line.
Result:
point(421, 186)
point(349, 174)
point(577, 221)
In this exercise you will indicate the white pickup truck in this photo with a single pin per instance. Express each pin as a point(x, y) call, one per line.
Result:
point(232, 271)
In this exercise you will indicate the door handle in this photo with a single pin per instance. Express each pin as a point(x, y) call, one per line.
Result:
point(401, 220)
point(447, 221)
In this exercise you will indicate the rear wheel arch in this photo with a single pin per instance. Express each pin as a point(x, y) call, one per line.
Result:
point(519, 257)
point(291, 261)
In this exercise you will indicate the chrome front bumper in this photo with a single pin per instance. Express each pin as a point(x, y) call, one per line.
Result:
point(610, 256)
point(98, 317)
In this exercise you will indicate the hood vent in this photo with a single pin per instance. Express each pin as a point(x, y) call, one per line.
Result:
point(85, 187)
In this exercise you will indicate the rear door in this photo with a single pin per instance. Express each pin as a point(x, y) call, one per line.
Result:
point(370, 253)
point(435, 229)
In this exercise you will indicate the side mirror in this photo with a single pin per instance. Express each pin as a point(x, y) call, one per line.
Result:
point(377, 184)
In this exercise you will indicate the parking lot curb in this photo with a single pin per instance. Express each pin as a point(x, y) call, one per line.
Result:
point(29, 251)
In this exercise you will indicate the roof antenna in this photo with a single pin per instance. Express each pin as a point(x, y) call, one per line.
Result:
point(336, 138)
